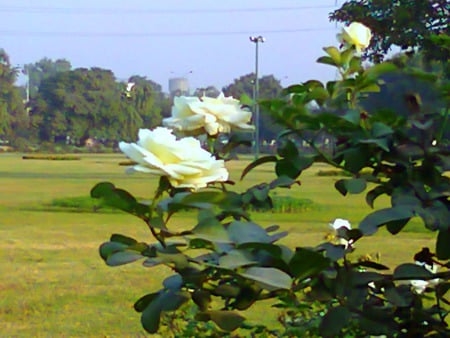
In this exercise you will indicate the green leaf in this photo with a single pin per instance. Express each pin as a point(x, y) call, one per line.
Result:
point(109, 248)
point(247, 232)
point(375, 71)
point(352, 186)
point(356, 158)
point(353, 116)
point(226, 320)
point(123, 239)
point(123, 257)
point(174, 282)
point(306, 263)
point(394, 227)
point(258, 162)
point(246, 100)
point(409, 271)
point(210, 229)
point(373, 194)
point(142, 303)
point(326, 60)
point(120, 199)
point(202, 299)
point(380, 129)
point(235, 259)
point(166, 300)
point(294, 89)
point(334, 321)
point(334, 53)
point(364, 278)
point(370, 224)
point(269, 278)
point(372, 265)
point(382, 143)
point(396, 297)
point(443, 244)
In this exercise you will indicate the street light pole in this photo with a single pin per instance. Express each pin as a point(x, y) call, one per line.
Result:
point(256, 40)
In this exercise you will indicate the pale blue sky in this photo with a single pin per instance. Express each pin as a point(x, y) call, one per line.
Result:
point(169, 38)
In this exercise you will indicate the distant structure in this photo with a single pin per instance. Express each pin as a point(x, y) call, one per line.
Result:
point(178, 86)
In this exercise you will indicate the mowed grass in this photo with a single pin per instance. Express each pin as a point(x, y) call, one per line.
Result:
point(53, 282)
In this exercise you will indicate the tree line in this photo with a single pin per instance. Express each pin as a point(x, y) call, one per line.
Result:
point(65, 105)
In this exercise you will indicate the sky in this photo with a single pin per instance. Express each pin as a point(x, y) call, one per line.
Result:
point(206, 41)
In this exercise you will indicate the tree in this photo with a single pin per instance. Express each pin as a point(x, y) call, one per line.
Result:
point(404, 23)
point(269, 88)
point(13, 117)
point(43, 69)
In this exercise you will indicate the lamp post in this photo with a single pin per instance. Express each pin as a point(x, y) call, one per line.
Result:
point(256, 40)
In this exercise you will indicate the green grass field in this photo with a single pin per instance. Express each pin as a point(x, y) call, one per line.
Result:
point(53, 282)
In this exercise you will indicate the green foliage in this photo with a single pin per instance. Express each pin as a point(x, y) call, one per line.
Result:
point(403, 23)
point(225, 262)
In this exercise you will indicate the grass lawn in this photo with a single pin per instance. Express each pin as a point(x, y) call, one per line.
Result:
point(53, 282)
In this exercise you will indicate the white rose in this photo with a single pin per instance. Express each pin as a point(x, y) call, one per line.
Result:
point(419, 286)
point(213, 115)
point(356, 34)
point(339, 222)
point(228, 114)
point(183, 161)
point(187, 115)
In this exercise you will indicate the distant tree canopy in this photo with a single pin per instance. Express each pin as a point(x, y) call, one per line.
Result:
point(13, 117)
point(409, 24)
point(269, 88)
point(85, 103)
point(43, 69)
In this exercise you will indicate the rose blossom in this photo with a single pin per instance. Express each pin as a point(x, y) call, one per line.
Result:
point(356, 34)
point(183, 161)
point(214, 115)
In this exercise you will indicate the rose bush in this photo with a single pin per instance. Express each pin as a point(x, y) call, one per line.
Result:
point(184, 162)
point(225, 262)
point(210, 115)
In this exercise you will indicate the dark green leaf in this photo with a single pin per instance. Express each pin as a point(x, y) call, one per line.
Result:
point(370, 224)
point(211, 229)
point(394, 227)
point(364, 278)
point(306, 263)
point(144, 301)
point(372, 265)
point(258, 162)
point(269, 278)
point(373, 194)
point(226, 320)
point(380, 142)
point(396, 297)
point(123, 257)
point(332, 251)
point(109, 248)
point(380, 129)
point(352, 186)
point(122, 239)
point(353, 116)
point(202, 299)
point(443, 244)
point(411, 271)
point(174, 282)
point(235, 259)
point(334, 321)
point(247, 232)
